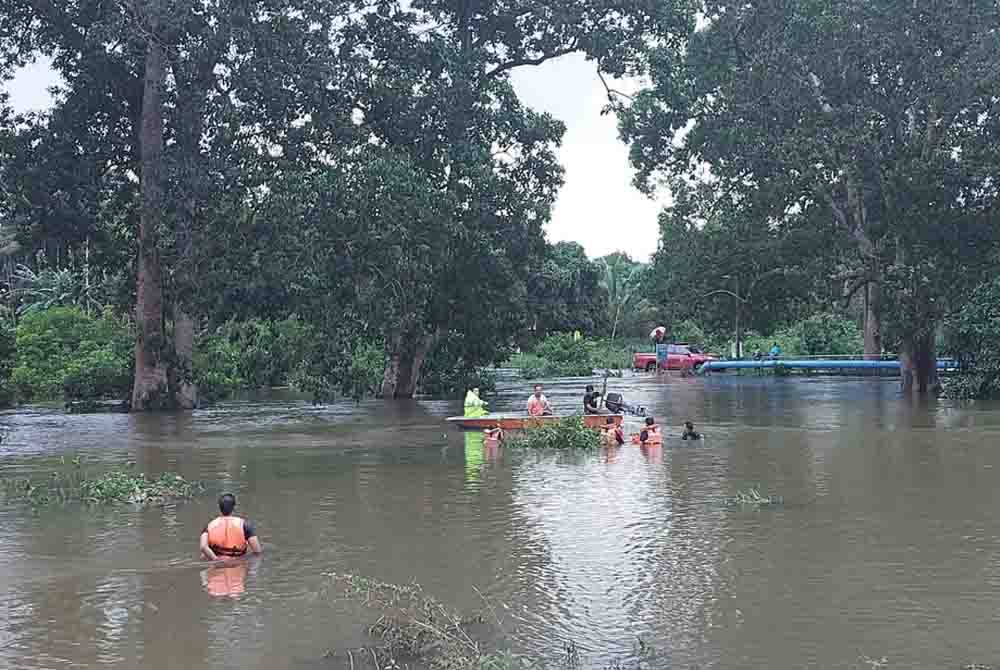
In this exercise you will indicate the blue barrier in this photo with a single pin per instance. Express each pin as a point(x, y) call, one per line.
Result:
point(805, 364)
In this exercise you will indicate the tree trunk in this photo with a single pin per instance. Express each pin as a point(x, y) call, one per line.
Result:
point(918, 364)
point(926, 363)
point(184, 275)
point(150, 388)
point(873, 322)
point(390, 379)
point(185, 391)
point(403, 368)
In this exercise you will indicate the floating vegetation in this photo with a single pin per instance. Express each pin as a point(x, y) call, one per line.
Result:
point(415, 630)
point(753, 496)
point(73, 484)
point(414, 627)
point(568, 433)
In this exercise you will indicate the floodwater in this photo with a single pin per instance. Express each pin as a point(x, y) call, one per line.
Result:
point(884, 553)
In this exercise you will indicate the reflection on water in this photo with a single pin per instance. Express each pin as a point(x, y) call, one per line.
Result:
point(885, 546)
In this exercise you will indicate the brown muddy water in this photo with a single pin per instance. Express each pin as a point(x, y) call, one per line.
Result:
point(884, 553)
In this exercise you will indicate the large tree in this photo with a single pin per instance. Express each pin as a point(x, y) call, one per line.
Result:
point(239, 74)
point(434, 82)
point(883, 113)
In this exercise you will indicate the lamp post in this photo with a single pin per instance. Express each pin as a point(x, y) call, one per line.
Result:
point(740, 301)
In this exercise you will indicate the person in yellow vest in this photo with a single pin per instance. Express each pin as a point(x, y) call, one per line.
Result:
point(474, 405)
point(228, 536)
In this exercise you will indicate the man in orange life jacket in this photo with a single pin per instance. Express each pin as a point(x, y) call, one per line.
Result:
point(228, 536)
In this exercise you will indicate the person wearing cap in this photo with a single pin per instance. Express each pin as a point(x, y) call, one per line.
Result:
point(228, 536)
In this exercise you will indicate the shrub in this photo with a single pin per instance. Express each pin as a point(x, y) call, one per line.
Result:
point(63, 351)
point(819, 335)
point(252, 354)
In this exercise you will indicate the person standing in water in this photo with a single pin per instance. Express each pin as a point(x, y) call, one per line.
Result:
point(227, 536)
point(538, 404)
point(612, 434)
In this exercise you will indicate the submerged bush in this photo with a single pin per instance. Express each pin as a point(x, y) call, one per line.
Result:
point(65, 352)
point(568, 433)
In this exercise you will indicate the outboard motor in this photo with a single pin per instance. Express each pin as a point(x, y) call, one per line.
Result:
point(615, 403)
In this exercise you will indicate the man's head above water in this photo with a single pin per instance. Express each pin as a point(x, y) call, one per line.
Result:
point(227, 503)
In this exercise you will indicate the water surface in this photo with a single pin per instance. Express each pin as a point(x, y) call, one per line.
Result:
point(885, 546)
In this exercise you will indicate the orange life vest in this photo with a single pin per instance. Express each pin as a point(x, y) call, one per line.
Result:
point(226, 536)
point(653, 436)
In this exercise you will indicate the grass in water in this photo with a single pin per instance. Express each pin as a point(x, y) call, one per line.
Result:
point(413, 630)
point(753, 496)
point(569, 433)
point(73, 484)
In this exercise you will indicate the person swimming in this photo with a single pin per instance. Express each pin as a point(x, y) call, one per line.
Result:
point(689, 432)
point(493, 436)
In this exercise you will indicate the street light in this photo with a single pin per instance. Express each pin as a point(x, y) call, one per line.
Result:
point(739, 310)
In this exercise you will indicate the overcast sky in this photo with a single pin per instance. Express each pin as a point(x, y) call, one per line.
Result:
point(597, 207)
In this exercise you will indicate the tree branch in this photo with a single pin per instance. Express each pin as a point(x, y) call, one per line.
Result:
point(721, 290)
point(519, 62)
point(612, 91)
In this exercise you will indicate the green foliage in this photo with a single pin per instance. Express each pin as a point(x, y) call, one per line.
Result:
point(64, 352)
point(252, 354)
point(8, 352)
point(455, 382)
point(974, 338)
point(623, 281)
point(364, 376)
point(557, 355)
point(688, 331)
point(71, 483)
point(565, 292)
point(884, 166)
point(560, 355)
point(827, 334)
point(565, 434)
point(817, 335)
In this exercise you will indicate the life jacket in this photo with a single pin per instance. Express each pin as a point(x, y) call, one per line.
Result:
point(226, 536)
point(653, 436)
point(536, 406)
point(612, 435)
point(474, 405)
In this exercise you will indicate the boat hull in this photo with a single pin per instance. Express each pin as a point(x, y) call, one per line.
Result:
point(516, 422)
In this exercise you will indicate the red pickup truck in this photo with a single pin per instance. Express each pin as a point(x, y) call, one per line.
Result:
point(679, 357)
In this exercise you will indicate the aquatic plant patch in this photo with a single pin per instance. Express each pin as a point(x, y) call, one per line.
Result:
point(569, 433)
point(753, 496)
point(414, 630)
point(73, 484)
